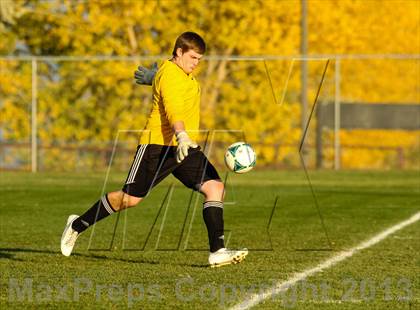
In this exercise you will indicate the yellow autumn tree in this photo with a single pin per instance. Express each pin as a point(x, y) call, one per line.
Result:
point(88, 102)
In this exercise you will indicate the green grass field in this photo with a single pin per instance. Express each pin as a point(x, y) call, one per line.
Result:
point(154, 256)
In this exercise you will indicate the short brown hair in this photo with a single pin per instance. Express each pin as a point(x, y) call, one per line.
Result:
point(190, 41)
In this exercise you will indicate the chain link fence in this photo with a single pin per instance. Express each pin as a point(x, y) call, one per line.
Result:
point(65, 113)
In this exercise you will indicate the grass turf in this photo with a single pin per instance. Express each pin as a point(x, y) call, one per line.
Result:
point(155, 255)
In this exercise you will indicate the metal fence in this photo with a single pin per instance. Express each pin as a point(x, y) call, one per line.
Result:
point(349, 79)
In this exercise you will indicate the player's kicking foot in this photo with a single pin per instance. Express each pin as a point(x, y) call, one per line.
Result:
point(225, 256)
point(69, 237)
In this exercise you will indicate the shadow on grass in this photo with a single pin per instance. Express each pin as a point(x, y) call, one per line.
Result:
point(206, 266)
point(9, 253)
point(9, 256)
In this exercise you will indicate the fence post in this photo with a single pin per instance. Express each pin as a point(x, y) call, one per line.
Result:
point(337, 115)
point(304, 69)
point(34, 135)
point(318, 137)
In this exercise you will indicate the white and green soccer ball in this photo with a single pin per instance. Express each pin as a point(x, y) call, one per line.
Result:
point(240, 157)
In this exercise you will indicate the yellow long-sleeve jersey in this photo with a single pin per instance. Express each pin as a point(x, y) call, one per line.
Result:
point(176, 97)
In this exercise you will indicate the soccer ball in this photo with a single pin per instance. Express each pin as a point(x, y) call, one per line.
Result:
point(240, 157)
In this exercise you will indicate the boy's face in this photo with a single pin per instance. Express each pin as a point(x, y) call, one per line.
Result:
point(189, 60)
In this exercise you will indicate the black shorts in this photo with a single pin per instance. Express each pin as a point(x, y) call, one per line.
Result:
point(152, 163)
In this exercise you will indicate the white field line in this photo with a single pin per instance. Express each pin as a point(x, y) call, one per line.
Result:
point(284, 286)
point(350, 301)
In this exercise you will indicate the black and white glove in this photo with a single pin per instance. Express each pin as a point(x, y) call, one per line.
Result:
point(145, 76)
point(184, 143)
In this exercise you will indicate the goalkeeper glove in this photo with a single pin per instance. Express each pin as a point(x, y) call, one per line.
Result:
point(184, 143)
point(145, 76)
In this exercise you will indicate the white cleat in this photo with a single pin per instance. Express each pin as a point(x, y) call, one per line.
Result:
point(69, 237)
point(225, 256)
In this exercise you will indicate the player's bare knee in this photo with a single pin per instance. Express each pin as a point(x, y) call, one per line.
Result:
point(132, 201)
point(114, 199)
point(128, 201)
point(120, 200)
point(213, 189)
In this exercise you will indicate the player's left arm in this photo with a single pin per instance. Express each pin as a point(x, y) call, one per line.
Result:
point(144, 76)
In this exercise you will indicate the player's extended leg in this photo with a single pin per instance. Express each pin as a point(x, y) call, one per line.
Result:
point(213, 190)
point(142, 177)
point(107, 205)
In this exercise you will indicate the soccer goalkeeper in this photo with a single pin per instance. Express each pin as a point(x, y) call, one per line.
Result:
point(168, 147)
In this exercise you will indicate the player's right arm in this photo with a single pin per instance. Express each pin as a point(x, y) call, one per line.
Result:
point(172, 87)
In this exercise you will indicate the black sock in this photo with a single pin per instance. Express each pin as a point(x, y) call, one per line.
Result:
point(101, 209)
point(213, 217)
